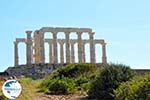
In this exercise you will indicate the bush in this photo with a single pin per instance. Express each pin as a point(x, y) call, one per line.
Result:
point(62, 86)
point(72, 77)
point(136, 89)
point(110, 78)
point(75, 70)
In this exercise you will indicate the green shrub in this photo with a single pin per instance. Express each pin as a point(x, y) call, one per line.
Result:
point(109, 78)
point(62, 86)
point(75, 70)
point(79, 75)
point(136, 89)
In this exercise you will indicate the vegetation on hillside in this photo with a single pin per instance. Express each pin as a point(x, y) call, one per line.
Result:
point(136, 89)
point(106, 82)
point(110, 77)
point(69, 79)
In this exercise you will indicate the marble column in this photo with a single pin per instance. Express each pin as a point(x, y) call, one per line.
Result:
point(16, 56)
point(92, 48)
point(36, 47)
point(67, 47)
point(79, 46)
point(61, 51)
point(42, 46)
point(104, 58)
point(72, 51)
point(29, 48)
point(83, 53)
point(55, 47)
point(50, 52)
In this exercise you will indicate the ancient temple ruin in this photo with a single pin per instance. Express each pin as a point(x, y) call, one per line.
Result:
point(35, 50)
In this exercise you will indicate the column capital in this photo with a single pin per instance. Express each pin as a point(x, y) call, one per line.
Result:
point(61, 42)
point(103, 44)
point(66, 32)
point(28, 32)
point(91, 33)
point(79, 33)
point(73, 41)
point(50, 42)
point(16, 42)
point(54, 33)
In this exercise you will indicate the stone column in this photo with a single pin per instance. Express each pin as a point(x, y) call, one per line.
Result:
point(72, 51)
point(61, 51)
point(83, 53)
point(79, 47)
point(16, 56)
point(55, 47)
point(67, 47)
point(29, 48)
point(50, 52)
point(37, 47)
point(104, 58)
point(92, 48)
point(42, 46)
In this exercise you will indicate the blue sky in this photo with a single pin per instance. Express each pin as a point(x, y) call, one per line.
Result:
point(124, 24)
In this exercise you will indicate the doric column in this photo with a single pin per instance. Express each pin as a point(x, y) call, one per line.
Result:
point(72, 51)
point(29, 48)
point(61, 51)
point(67, 47)
point(83, 53)
point(55, 47)
point(36, 47)
point(92, 48)
point(79, 47)
point(16, 56)
point(104, 58)
point(50, 52)
point(39, 47)
point(42, 46)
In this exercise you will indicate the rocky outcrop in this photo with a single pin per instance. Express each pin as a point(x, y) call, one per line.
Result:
point(35, 71)
point(38, 71)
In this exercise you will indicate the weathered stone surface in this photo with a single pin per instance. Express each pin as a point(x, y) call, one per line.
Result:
point(35, 71)
point(35, 48)
point(38, 71)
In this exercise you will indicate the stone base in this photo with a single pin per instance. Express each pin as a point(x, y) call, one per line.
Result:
point(38, 71)
point(34, 71)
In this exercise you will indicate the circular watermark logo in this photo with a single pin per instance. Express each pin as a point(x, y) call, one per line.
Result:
point(11, 89)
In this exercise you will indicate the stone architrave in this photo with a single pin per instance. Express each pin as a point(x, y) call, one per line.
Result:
point(16, 56)
point(67, 47)
point(29, 47)
point(55, 47)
